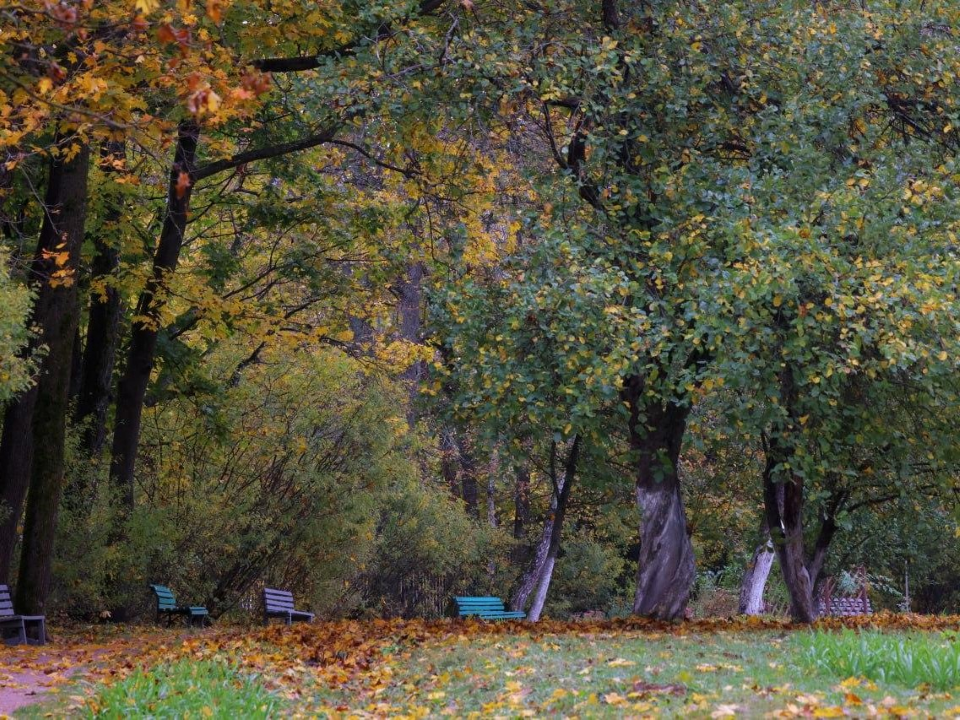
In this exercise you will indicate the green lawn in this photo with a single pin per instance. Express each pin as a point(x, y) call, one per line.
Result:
point(588, 670)
point(611, 674)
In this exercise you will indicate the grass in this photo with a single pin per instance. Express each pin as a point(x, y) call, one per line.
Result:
point(187, 688)
point(620, 674)
point(614, 669)
point(913, 660)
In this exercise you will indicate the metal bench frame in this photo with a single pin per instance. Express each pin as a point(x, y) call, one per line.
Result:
point(9, 620)
point(167, 607)
point(485, 608)
point(279, 604)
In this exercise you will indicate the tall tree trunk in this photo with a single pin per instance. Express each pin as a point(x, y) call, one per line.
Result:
point(665, 569)
point(470, 492)
point(132, 387)
point(528, 581)
point(521, 501)
point(57, 313)
point(784, 508)
point(540, 570)
point(103, 325)
point(755, 577)
point(410, 310)
point(783, 498)
point(16, 455)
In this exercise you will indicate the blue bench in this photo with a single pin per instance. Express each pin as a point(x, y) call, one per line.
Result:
point(167, 606)
point(485, 608)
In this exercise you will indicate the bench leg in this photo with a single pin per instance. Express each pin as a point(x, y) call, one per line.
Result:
point(23, 633)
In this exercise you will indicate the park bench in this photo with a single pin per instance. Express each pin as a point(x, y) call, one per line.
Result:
point(167, 607)
point(279, 604)
point(485, 608)
point(9, 620)
point(846, 606)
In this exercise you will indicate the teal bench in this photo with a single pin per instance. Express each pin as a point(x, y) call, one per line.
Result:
point(485, 608)
point(167, 607)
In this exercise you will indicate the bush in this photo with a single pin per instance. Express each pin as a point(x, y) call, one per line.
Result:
point(587, 577)
point(428, 549)
point(278, 480)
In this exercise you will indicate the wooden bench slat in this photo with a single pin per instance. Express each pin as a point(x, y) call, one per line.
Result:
point(485, 608)
point(279, 604)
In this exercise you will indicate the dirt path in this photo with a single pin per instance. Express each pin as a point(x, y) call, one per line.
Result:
point(27, 687)
point(31, 674)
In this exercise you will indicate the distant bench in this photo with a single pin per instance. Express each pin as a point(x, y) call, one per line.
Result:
point(846, 606)
point(485, 608)
point(167, 607)
point(279, 604)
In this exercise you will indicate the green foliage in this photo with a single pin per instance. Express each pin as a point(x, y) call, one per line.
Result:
point(15, 369)
point(189, 688)
point(912, 660)
point(278, 478)
point(589, 577)
point(428, 549)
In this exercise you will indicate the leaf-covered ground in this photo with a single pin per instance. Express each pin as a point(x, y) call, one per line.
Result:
point(414, 668)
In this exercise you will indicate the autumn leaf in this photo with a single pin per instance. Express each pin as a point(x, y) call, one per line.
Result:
point(183, 184)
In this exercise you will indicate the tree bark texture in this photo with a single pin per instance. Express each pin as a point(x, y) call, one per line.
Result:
point(666, 569)
point(543, 587)
point(103, 325)
point(16, 454)
point(132, 387)
point(540, 570)
point(57, 314)
point(521, 501)
point(784, 510)
point(755, 577)
point(410, 311)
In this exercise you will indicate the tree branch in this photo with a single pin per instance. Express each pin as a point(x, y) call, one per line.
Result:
point(324, 136)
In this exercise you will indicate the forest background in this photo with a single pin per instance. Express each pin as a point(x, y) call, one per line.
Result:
point(569, 302)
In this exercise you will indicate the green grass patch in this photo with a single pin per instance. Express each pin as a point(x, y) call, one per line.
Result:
point(931, 659)
point(188, 688)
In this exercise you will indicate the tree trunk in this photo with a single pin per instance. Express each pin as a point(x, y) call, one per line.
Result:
point(16, 455)
point(468, 477)
point(57, 313)
point(103, 325)
point(666, 568)
point(784, 508)
point(521, 511)
point(755, 577)
point(410, 311)
point(132, 387)
point(531, 575)
point(828, 528)
point(543, 586)
point(537, 574)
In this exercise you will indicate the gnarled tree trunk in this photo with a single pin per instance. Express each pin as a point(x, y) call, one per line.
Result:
point(784, 508)
point(755, 577)
point(665, 569)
